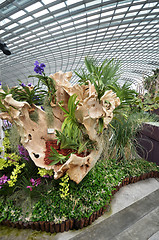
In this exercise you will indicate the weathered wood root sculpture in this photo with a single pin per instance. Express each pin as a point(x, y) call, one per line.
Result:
point(89, 111)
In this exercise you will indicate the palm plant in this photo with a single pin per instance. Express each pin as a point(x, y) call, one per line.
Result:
point(124, 92)
point(127, 96)
point(99, 75)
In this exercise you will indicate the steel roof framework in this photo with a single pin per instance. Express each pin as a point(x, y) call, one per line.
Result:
point(61, 33)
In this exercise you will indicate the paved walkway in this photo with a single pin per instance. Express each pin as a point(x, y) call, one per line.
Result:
point(134, 215)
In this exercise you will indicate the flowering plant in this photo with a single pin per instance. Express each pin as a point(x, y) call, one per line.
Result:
point(34, 183)
point(6, 125)
point(39, 68)
point(23, 152)
point(29, 93)
point(4, 179)
point(45, 81)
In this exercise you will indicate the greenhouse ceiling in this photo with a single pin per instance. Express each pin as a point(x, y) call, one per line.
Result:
point(60, 33)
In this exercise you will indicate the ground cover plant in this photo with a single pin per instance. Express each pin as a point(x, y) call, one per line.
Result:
point(72, 201)
point(29, 192)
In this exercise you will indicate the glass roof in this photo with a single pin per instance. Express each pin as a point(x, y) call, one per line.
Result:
point(60, 33)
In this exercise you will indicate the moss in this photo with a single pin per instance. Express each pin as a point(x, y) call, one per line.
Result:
point(6, 142)
point(49, 115)
point(14, 139)
point(34, 116)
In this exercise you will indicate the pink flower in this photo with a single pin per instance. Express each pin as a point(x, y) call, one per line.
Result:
point(3, 180)
point(30, 188)
point(32, 181)
point(38, 181)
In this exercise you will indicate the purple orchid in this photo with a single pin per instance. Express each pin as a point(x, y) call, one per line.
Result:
point(23, 152)
point(39, 68)
point(23, 85)
point(47, 176)
point(6, 124)
point(38, 181)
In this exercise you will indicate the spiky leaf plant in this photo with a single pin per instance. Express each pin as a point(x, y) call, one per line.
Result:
point(123, 141)
point(100, 75)
point(73, 134)
point(57, 157)
point(49, 83)
point(32, 95)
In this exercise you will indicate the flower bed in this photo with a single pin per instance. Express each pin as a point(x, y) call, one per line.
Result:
point(75, 223)
point(84, 203)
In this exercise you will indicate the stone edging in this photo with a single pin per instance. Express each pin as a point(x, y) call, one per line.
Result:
point(74, 223)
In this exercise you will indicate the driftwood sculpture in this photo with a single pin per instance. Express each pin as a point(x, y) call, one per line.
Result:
point(89, 111)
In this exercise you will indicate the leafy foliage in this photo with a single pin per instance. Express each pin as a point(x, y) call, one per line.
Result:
point(124, 132)
point(145, 103)
point(29, 94)
point(2, 107)
point(57, 157)
point(151, 83)
point(73, 133)
point(70, 118)
point(66, 141)
point(100, 75)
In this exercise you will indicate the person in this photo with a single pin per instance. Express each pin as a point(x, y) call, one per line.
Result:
point(4, 48)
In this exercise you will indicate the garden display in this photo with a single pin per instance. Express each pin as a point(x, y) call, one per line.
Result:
point(67, 148)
